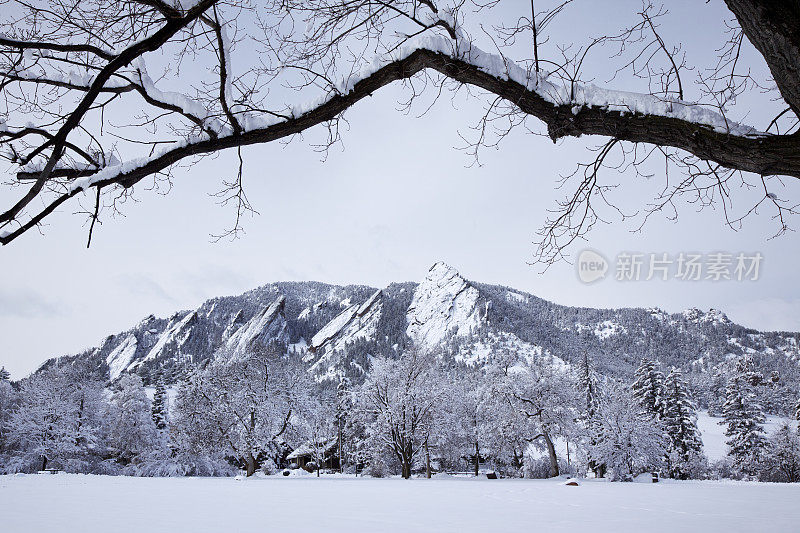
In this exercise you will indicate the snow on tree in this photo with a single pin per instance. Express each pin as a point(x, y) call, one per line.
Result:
point(716, 392)
point(160, 408)
point(7, 403)
point(56, 67)
point(648, 388)
point(242, 405)
point(4, 374)
point(469, 419)
point(398, 401)
point(320, 428)
point(57, 421)
point(587, 383)
point(784, 454)
point(632, 441)
point(544, 397)
point(344, 405)
point(745, 427)
point(132, 433)
point(797, 410)
point(680, 421)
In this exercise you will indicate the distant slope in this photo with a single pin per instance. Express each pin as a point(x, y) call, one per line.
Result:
point(337, 330)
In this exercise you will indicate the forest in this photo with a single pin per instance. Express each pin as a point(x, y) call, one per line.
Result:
point(414, 415)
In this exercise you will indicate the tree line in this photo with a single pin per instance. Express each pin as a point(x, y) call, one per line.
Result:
point(412, 415)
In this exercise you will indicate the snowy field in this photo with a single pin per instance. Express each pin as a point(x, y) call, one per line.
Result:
point(80, 503)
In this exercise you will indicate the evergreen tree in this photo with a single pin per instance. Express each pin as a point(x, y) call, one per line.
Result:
point(716, 392)
point(587, 383)
point(4, 374)
point(588, 388)
point(648, 388)
point(745, 421)
point(160, 408)
point(680, 420)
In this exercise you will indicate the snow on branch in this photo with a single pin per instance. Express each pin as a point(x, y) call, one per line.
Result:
point(228, 112)
point(491, 64)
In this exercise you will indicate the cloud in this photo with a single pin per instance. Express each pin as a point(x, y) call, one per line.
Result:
point(210, 280)
point(28, 303)
point(144, 286)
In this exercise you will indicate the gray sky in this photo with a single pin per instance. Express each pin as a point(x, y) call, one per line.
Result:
point(396, 199)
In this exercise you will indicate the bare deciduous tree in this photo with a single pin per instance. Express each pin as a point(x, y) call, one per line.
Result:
point(98, 97)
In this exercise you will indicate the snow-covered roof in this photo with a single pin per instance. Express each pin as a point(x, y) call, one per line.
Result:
point(308, 448)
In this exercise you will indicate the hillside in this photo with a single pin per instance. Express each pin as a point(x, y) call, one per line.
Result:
point(336, 330)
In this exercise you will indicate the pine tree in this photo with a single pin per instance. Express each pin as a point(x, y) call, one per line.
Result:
point(648, 388)
point(716, 392)
point(160, 408)
point(681, 425)
point(4, 374)
point(587, 383)
point(588, 388)
point(745, 421)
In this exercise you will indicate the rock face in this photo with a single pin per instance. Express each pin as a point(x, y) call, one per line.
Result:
point(336, 331)
point(120, 357)
point(268, 325)
point(444, 304)
point(356, 322)
point(182, 339)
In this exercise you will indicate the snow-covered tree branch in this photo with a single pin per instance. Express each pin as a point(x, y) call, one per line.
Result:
point(97, 96)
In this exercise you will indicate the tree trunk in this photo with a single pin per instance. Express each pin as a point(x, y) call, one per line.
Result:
point(772, 29)
point(516, 463)
point(250, 463)
point(477, 459)
point(406, 468)
point(44, 462)
point(341, 447)
point(427, 460)
point(551, 452)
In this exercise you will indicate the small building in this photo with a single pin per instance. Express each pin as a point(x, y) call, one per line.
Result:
point(310, 452)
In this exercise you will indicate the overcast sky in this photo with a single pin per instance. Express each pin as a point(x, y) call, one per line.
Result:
point(396, 198)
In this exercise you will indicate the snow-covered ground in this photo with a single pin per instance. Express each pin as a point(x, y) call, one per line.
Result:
point(80, 503)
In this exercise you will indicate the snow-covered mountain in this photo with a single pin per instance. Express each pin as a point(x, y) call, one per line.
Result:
point(444, 304)
point(337, 330)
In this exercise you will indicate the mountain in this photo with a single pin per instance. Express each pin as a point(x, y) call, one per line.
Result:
point(337, 330)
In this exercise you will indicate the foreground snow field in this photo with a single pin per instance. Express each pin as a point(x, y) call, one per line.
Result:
point(80, 503)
